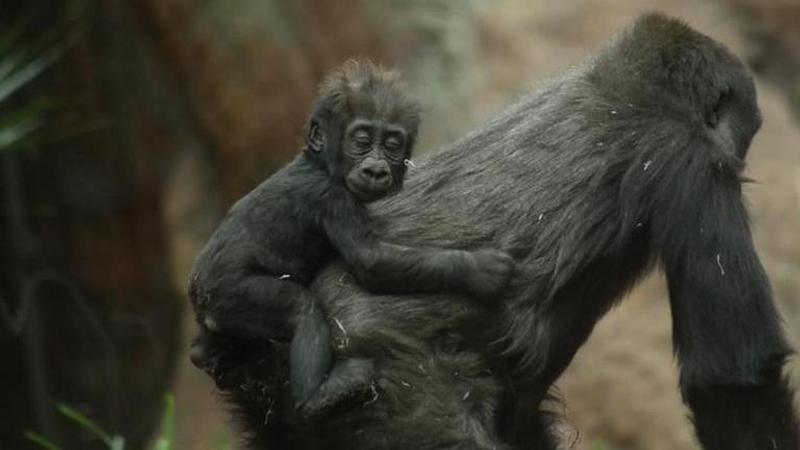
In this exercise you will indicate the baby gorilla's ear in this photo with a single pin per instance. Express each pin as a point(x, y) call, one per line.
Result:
point(315, 140)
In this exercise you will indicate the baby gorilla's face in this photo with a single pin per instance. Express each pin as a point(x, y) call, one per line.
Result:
point(374, 152)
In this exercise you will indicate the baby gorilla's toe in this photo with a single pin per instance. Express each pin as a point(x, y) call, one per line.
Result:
point(198, 354)
point(211, 324)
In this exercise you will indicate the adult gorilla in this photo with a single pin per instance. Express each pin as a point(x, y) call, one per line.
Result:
point(634, 158)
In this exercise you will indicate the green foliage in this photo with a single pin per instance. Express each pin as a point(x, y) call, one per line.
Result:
point(87, 424)
point(165, 440)
point(23, 60)
point(41, 441)
point(75, 416)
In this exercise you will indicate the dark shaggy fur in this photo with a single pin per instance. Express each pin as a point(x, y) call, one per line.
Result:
point(249, 287)
point(631, 160)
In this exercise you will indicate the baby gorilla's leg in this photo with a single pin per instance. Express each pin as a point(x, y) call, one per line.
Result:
point(350, 379)
point(316, 388)
point(259, 306)
point(311, 354)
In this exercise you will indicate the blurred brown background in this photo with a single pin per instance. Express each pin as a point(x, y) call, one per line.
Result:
point(160, 113)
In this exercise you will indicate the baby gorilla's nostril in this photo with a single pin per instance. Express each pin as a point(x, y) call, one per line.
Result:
point(376, 172)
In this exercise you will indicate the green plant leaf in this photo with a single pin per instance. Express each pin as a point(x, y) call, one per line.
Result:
point(41, 441)
point(25, 73)
point(118, 443)
point(12, 135)
point(22, 60)
point(8, 63)
point(18, 125)
point(166, 438)
point(86, 423)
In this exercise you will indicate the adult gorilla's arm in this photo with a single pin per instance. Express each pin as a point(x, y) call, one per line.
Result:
point(632, 158)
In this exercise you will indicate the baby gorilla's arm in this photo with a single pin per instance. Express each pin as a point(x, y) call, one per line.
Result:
point(389, 268)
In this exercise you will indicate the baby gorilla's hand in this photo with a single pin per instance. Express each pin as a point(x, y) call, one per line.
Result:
point(490, 275)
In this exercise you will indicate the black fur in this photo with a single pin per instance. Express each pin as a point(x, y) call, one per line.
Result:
point(250, 282)
point(630, 160)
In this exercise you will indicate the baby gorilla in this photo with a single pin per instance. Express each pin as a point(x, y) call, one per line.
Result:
point(250, 281)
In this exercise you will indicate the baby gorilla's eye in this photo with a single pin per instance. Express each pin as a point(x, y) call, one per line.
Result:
point(394, 147)
point(362, 139)
point(392, 143)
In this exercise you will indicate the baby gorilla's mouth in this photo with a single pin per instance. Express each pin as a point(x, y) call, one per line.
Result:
point(367, 191)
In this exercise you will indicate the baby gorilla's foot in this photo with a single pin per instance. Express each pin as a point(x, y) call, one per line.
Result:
point(350, 381)
point(199, 355)
point(208, 355)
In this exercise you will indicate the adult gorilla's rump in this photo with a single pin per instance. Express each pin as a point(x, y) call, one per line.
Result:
point(632, 159)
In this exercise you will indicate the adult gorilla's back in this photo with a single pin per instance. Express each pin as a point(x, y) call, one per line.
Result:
point(632, 158)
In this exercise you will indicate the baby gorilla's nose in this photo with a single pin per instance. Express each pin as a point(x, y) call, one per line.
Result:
point(376, 173)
